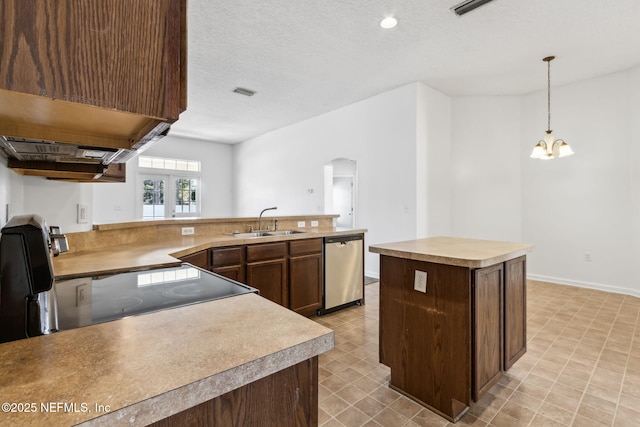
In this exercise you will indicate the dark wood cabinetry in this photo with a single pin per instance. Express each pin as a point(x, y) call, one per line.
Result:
point(515, 316)
point(447, 346)
point(267, 271)
point(288, 273)
point(488, 328)
point(286, 398)
point(305, 276)
point(229, 262)
point(95, 73)
point(199, 259)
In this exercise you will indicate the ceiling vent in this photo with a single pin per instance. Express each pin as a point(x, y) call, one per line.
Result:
point(468, 6)
point(243, 91)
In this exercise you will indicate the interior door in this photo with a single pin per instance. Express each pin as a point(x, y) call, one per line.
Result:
point(343, 200)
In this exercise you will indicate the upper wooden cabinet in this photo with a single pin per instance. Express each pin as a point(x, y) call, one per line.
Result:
point(92, 72)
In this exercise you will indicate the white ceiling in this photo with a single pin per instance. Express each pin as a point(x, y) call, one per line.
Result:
point(308, 57)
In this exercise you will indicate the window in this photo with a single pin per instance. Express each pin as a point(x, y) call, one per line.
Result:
point(170, 187)
point(153, 198)
point(186, 196)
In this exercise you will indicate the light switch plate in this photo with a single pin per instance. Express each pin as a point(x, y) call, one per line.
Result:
point(83, 213)
point(420, 283)
point(83, 294)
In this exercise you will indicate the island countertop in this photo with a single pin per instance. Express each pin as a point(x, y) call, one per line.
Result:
point(470, 253)
point(146, 368)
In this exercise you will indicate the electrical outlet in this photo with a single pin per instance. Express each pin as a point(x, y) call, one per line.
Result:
point(314, 223)
point(302, 224)
point(188, 231)
point(420, 282)
point(587, 256)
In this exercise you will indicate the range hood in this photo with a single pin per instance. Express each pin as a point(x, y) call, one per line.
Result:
point(26, 149)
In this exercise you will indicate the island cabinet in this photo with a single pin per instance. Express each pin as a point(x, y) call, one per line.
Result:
point(452, 318)
point(305, 276)
point(267, 271)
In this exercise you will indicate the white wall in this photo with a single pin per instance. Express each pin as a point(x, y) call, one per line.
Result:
point(486, 192)
point(57, 202)
point(433, 163)
point(633, 86)
point(117, 202)
point(11, 192)
point(278, 168)
point(584, 203)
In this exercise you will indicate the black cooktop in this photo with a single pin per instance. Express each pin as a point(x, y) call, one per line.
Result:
point(89, 300)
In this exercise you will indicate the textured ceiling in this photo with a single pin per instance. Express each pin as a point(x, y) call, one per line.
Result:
point(308, 57)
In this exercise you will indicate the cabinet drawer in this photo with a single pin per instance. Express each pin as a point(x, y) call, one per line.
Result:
point(199, 259)
point(226, 256)
point(266, 251)
point(304, 247)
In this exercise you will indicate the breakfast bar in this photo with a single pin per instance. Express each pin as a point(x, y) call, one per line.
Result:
point(233, 361)
point(452, 317)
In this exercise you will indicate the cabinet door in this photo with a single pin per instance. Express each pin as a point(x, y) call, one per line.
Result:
point(515, 310)
point(305, 284)
point(199, 259)
point(270, 278)
point(488, 331)
point(233, 272)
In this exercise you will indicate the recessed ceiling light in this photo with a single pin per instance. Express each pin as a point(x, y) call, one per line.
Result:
point(388, 22)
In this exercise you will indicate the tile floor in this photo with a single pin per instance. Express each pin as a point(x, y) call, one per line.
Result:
point(582, 367)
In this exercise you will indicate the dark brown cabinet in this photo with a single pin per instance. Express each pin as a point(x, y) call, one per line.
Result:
point(286, 398)
point(515, 316)
point(305, 276)
point(229, 262)
point(108, 74)
point(447, 346)
point(199, 259)
point(288, 273)
point(267, 271)
point(488, 328)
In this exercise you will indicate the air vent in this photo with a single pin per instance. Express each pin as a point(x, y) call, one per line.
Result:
point(468, 6)
point(243, 91)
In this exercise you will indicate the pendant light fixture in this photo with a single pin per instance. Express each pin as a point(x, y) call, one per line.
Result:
point(549, 147)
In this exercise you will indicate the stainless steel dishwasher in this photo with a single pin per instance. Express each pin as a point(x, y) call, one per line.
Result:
point(343, 271)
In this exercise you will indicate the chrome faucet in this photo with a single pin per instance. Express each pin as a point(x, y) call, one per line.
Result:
point(260, 217)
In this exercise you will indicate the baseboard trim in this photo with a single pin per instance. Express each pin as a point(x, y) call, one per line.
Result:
point(372, 274)
point(588, 285)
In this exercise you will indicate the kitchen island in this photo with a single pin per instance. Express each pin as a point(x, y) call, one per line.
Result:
point(452, 317)
point(235, 361)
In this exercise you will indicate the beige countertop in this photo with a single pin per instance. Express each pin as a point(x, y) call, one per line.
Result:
point(470, 253)
point(148, 367)
point(163, 252)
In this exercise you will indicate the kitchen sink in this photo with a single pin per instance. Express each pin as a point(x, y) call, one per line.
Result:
point(252, 234)
point(266, 233)
point(284, 232)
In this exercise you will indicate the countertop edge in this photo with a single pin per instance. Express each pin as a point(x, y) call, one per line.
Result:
point(188, 396)
point(165, 254)
point(517, 250)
